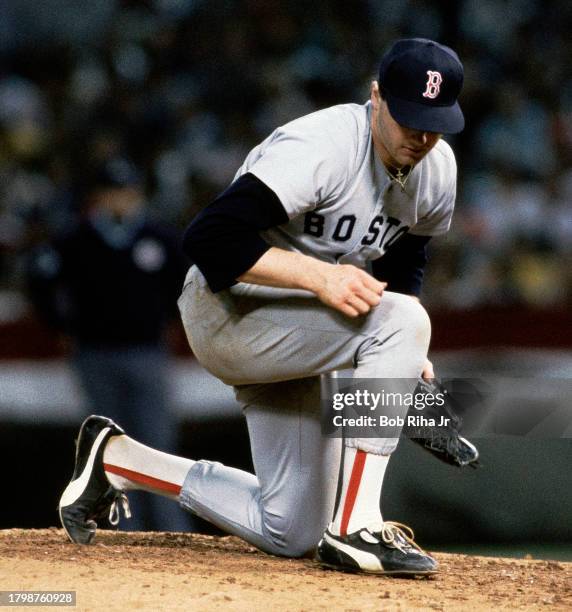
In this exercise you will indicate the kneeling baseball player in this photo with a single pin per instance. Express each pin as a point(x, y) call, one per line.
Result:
point(310, 262)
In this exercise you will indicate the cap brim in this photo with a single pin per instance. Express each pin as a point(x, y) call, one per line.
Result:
point(440, 119)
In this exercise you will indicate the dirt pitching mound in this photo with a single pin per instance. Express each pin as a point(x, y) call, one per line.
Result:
point(166, 571)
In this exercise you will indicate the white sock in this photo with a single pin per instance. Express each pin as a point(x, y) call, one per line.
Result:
point(130, 465)
point(359, 504)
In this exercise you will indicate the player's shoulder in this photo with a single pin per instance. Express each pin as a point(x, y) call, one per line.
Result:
point(340, 123)
point(441, 167)
point(351, 115)
point(442, 154)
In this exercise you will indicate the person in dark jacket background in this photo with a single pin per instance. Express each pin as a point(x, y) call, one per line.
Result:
point(111, 285)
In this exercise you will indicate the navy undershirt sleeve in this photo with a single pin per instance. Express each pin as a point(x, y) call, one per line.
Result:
point(402, 266)
point(223, 240)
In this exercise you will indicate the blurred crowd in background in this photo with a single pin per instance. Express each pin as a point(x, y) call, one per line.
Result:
point(186, 87)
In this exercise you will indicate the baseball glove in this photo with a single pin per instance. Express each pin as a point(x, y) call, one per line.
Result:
point(441, 440)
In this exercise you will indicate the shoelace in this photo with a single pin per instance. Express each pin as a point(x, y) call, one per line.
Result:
point(400, 536)
point(114, 515)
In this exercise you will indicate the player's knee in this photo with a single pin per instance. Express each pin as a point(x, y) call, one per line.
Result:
point(416, 321)
point(292, 536)
point(301, 544)
point(410, 321)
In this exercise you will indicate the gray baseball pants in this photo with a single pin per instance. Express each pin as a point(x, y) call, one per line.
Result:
point(272, 345)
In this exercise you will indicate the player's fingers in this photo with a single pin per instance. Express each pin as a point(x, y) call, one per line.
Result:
point(369, 296)
point(359, 304)
point(373, 284)
point(348, 310)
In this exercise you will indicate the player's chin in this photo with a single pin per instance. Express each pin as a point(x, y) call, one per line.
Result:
point(410, 156)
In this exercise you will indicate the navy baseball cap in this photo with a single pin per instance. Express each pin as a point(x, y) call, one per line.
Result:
point(421, 81)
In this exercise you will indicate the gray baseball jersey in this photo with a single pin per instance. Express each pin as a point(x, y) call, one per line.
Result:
point(342, 204)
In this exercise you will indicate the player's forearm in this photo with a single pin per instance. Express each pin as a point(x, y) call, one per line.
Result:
point(280, 268)
point(344, 287)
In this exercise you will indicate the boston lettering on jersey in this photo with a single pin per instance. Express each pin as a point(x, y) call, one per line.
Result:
point(382, 230)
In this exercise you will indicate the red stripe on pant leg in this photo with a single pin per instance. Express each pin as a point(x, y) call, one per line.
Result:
point(143, 479)
point(353, 486)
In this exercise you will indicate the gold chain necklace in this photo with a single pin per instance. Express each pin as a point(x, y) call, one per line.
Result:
point(399, 176)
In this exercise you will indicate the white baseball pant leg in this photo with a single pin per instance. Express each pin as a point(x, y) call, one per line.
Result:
point(272, 345)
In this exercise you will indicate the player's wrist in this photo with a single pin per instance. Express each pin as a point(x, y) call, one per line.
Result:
point(314, 274)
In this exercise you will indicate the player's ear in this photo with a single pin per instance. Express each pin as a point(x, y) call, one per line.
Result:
point(375, 95)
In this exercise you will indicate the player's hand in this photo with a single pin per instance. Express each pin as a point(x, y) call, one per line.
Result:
point(350, 290)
